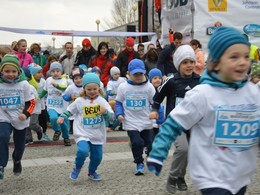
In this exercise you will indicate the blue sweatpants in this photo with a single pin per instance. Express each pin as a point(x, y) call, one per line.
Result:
point(64, 127)
point(6, 130)
point(95, 156)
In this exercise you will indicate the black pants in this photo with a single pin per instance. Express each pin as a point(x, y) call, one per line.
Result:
point(139, 140)
point(220, 191)
point(43, 120)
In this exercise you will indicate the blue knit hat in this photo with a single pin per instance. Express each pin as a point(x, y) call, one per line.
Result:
point(154, 72)
point(223, 38)
point(90, 77)
point(96, 69)
point(34, 68)
point(56, 65)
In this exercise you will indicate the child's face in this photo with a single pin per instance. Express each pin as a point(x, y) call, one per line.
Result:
point(92, 90)
point(186, 68)
point(234, 63)
point(116, 76)
point(56, 73)
point(22, 46)
point(9, 72)
point(38, 75)
point(78, 80)
point(156, 81)
point(137, 77)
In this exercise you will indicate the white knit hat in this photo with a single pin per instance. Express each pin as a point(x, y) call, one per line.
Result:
point(114, 70)
point(183, 52)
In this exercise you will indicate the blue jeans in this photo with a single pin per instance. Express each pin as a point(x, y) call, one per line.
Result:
point(139, 140)
point(64, 127)
point(220, 191)
point(96, 154)
point(6, 130)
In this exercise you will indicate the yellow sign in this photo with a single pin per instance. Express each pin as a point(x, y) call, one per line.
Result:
point(91, 111)
point(217, 5)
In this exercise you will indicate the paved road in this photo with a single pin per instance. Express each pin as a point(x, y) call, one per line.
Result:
point(46, 169)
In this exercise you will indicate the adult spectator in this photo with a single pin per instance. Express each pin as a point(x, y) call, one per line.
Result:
point(200, 56)
point(103, 62)
point(126, 56)
point(85, 54)
point(151, 58)
point(37, 57)
point(67, 58)
point(140, 50)
point(24, 58)
point(165, 63)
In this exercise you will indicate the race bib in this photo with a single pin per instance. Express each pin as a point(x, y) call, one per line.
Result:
point(236, 128)
point(10, 101)
point(55, 102)
point(135, 102)
point(92, 117)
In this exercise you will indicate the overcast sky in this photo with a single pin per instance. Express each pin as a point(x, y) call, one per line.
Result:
point(53, 15)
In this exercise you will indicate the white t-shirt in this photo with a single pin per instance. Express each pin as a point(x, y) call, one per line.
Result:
point(136, 100)
point(12, 103)
point(54, 98)
point(89, 124)
point(73, 90)
point(41, 86)
point(223, 123)
point(113, 86)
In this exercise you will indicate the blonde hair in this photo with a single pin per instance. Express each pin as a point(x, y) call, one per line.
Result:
point(84, 95)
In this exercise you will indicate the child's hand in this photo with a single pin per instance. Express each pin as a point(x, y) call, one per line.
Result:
point(120, 118)
point(22, 117)
point(153, 115)
point(53, 84)
point(72, 97)
point(103, 110)
point(60, 120)
point(37, 100)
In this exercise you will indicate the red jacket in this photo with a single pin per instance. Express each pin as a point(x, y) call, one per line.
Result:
point(105, 64)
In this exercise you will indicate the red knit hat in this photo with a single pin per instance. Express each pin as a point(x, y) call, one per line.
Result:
point(129, 42)
point(86, 42)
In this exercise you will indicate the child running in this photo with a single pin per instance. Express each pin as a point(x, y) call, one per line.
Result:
point(16, 107)
point(223, 116)
point(90, 111)
point(55, 85)
point(133, 101)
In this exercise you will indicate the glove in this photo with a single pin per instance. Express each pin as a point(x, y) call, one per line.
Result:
point(154, 165)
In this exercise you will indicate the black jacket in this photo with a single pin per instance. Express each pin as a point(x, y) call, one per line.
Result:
point(83, 56)
point(122, 62)
point(174, 87)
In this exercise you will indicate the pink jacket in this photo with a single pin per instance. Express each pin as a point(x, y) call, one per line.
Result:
point(24, 59)
point(200, 61)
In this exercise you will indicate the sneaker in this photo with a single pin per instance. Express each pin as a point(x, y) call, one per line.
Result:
point(67, 142)
point(74, 174)
point(39, 134)
point(139, 169)
point(174, 184)
point(56, 136)
point(2, 173)
point(17, 168)
point(28, 141)
point(94, 176)
point(45, 137)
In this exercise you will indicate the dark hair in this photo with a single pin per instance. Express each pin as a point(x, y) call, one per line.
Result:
point(152, 53)
point(196, 42)
point(101, 44)
point(67, 44)
point(178, 35)
point(140, 45)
